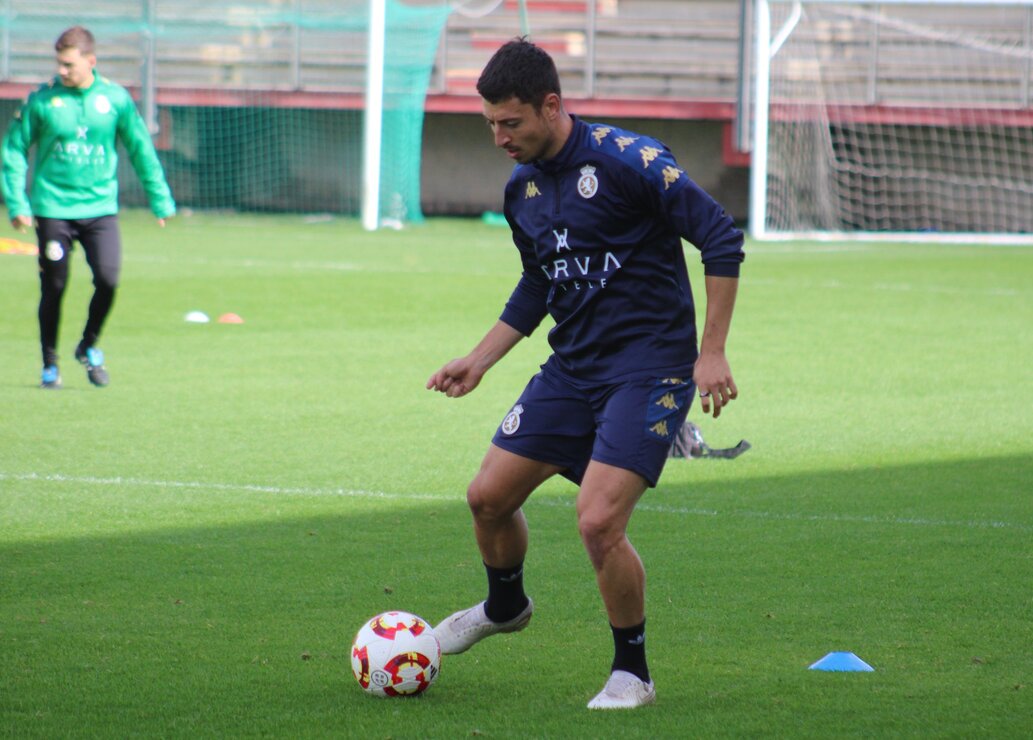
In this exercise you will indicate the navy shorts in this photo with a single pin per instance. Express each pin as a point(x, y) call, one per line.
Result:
point(629, 424)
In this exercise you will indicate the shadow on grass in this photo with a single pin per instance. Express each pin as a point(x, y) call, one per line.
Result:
point(245, 629)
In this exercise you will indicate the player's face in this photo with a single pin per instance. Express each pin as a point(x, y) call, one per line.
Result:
point(75, 68)
point(524, 133)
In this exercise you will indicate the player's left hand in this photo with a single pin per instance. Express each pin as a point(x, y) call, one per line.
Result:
point(713, 379)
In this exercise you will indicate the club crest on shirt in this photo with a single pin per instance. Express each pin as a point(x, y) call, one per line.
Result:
point(588, 185)
point(512, 421)
point(102, 104)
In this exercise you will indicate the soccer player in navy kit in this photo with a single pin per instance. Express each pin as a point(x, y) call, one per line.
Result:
point(597, 215)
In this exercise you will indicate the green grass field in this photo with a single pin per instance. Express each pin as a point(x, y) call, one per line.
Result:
point(189, 552)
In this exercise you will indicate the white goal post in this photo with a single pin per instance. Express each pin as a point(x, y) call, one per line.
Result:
point(901, 119)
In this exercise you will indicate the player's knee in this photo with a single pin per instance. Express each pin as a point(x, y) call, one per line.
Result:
point(600, 536)
point(53, 284)
point(487, 504)
point(106, 280)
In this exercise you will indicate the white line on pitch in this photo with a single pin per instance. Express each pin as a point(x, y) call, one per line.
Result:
point(541, 500)
point(201, 485)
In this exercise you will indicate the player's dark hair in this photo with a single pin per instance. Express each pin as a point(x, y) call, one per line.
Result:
point(519, 69)
point(75, 37)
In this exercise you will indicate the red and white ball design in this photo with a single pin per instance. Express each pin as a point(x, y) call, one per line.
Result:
point(396, 654)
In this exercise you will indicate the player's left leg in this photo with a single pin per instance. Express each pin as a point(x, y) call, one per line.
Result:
point(102, 243)
point(636, 422)
point(605, 502)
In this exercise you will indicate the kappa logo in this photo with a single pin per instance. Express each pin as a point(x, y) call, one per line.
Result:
point(623, 142)
point(601, 133)
point(588, 185)
point(671, 175)
point(532, 191)
point(668, 402)
point(102, 104)
point(512, 421)
point(54, 251)
point(649, 153)
point(660, 429)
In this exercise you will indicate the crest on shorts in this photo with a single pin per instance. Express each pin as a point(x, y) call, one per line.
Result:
point(588, 185)
point(512, 421)
point(54, 251)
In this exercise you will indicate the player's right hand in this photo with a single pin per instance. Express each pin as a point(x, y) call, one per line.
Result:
point(21, 223)
point(455, 379)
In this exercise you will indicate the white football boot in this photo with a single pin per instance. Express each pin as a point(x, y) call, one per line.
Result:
point(624, 690)
point(461, 631)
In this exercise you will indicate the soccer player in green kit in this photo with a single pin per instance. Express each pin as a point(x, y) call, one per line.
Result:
point(74, 122)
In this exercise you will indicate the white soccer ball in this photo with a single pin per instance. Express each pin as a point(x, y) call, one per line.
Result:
point(396, 654)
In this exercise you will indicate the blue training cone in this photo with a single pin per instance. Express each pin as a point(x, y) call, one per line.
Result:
point(841, 662)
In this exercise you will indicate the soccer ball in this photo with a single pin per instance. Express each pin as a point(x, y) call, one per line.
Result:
point(396, 654)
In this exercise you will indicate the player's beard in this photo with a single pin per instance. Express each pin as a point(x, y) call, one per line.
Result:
point(528, 154)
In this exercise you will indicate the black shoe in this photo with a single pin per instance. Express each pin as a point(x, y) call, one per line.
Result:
point(93, 360)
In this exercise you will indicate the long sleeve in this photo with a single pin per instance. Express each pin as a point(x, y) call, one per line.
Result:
point(132, 132)
point(15, 157)
point(528, 304)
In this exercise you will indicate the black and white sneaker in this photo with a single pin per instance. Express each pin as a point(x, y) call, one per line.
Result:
point(93, 360)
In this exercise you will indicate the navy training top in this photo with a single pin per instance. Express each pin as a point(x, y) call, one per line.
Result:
point(599, 232)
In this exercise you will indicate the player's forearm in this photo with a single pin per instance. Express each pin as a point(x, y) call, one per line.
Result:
point(499, 340)
point(13, 180)
point(721, 293)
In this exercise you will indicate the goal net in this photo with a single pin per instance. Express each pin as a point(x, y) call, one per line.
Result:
point(897, 119)
point(256, 105)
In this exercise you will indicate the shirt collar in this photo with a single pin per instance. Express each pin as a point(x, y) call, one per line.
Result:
point(566, 154)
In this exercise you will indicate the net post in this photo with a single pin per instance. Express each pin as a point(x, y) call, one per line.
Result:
point(759, 155)
point(374, 115)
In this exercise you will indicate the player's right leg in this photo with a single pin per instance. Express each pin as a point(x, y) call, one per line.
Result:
point(54, 237)
point(102, 243)
point(549, 430)
point(495, 496)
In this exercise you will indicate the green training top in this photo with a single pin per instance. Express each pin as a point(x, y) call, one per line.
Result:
point(74, 131)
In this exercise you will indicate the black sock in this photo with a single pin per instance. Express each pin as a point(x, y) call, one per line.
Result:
point(506, 598)
point(629, 650)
